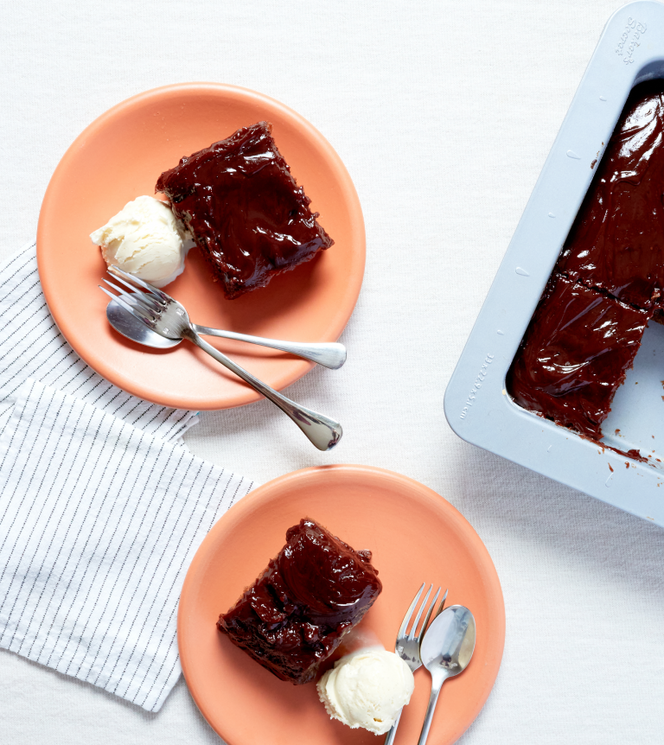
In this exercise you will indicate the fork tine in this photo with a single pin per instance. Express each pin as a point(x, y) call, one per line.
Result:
point(425, 625)
point(122, 280)
point(135, 310)
point(419, 613)
point(409, 613)
point(441, 607)
point(150, 300)
point(134, 280)
point(137, 299)
point(119, 289)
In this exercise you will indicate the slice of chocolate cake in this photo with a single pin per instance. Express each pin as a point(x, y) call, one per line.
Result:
point(311, 594)
point(574, 355)
point(244, 209)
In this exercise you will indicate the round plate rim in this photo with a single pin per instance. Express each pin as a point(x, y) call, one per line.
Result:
point(181, 400)
point(243, 509)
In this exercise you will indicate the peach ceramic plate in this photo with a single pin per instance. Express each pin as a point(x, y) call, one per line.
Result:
point(119, 157)
point(415, 536)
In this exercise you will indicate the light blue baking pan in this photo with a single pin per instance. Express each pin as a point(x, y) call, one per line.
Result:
point(477, 407)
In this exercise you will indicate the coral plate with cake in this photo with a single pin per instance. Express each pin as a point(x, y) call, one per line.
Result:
point(119, 157)
point(248, 705)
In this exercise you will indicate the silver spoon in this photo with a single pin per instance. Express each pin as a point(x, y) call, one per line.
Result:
point(332, 355)
point(170, 319)
point(446, 650)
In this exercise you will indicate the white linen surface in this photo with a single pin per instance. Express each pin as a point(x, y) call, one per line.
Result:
point(99, 521)
point(443, 111)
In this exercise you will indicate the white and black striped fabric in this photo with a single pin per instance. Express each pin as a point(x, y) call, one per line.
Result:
point(99, 521)
point(101, 508)
point(31, 346)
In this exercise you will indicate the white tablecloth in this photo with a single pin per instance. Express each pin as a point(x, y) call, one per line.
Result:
point(443, 113)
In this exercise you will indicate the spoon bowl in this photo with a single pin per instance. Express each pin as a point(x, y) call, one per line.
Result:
point(134, 329)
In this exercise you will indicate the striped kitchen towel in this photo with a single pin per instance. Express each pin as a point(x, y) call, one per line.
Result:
point(99, 520)
point(31, 346)
point(101, 508)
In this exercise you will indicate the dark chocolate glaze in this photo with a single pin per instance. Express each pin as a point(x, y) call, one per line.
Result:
point(617, 241)
point(245, 210)
point(296, 613)
point(582, 339)
point(574, 355)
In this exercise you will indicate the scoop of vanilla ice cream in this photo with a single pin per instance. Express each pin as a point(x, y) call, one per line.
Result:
point(367, 688)
point(144, 239)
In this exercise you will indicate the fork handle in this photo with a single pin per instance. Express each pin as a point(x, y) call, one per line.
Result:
point(392, 732)
point(322, 431)
point(332, 355)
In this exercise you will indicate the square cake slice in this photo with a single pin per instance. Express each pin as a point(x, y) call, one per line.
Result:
point(574, 355)
point(312, 593)
point(244, 209)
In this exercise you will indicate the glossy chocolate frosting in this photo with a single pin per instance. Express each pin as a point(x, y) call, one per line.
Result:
point(617, 241)
point(244, 209)
point(608, 281)
point(296, 613)
point(574, 355)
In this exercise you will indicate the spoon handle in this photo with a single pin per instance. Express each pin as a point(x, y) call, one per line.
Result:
point(322, 431)
point(332, 355)
point(436, 685)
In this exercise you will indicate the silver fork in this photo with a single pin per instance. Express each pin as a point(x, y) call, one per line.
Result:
point(153, 309)
point(329, 354)
point(408, 642)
